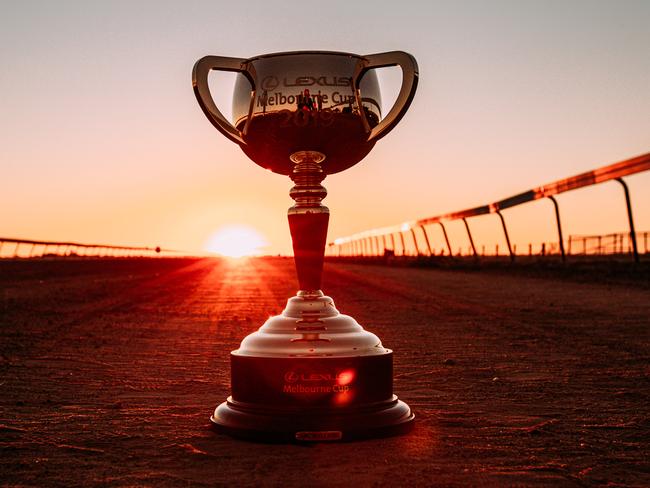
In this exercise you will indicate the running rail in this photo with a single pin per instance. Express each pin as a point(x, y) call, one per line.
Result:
point(366, 243)
point(75, 248)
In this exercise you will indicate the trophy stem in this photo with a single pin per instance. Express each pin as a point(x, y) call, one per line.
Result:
point(308, 220)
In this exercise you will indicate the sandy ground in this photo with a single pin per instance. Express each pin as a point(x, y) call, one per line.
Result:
point(109, 370)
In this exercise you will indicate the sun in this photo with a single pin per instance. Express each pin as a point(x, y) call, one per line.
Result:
point(236, 241)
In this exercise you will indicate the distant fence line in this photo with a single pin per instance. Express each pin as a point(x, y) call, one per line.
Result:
point(67, 249)
point(379, 241)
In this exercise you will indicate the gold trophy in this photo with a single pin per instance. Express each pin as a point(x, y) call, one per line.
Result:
point(311, 373)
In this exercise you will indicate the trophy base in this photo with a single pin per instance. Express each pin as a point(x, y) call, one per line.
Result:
point(252, 422)
point(311, 374)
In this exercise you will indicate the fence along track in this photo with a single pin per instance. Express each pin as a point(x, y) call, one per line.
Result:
point(367, 243)
point(77, 249)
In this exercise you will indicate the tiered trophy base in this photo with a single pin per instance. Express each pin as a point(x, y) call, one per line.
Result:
point(312, 374)
point(261, 423)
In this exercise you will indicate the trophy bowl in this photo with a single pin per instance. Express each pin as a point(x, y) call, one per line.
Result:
point(310, 373)
point(327, 102)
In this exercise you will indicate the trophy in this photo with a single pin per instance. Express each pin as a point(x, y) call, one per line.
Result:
point(311, 373)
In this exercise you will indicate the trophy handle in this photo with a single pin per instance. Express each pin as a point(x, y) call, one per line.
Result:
point(202, 91)
point(409, 83)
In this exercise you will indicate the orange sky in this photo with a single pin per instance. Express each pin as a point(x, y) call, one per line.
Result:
point(101, 138)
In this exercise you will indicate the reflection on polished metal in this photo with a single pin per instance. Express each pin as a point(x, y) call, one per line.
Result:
point(311, 373)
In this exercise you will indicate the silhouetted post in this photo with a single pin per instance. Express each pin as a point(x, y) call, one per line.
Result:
point(444, 232)
point(376, 239)
point(628, 204)
point(505, 232)
point(392, 241)
point(600, 245)
point(543, 251)
point(471, 241)
point(426, 239)
point(31, 250)
point(415, 241)
point(383, 240)
point(530, 249)
point(401, 236)
point(559, 226)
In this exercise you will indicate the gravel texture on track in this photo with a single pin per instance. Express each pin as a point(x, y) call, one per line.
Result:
point(110, 369)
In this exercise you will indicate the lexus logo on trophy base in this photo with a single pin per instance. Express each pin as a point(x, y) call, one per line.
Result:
point(311, 373)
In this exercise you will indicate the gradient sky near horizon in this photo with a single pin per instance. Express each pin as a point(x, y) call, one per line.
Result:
point(101, 138)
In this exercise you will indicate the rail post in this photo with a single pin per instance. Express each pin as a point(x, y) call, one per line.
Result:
point(444, 232)
point(505, 233)
point(635, 249)
point(401, 236)
point(471, 241)
point(376, 239)
point(383, 240)
point(559, 226)
point(600, 245)
point(426, 239)
point(415, 241)
point(392, 241)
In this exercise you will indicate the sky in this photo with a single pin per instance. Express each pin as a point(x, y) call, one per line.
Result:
point(102, 140)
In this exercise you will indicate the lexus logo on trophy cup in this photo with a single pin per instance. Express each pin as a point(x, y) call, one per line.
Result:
point(310, 373)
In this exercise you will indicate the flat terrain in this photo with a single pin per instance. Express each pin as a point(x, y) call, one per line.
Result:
point(109, 370)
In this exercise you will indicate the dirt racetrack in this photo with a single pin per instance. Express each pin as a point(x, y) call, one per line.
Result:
point(109, 371)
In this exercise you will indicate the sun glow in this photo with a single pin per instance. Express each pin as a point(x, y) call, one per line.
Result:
point(236, 241)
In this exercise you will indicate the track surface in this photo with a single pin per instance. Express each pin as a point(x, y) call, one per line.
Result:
point(109, 370)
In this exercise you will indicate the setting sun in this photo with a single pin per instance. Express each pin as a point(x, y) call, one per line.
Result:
point(236, 241)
